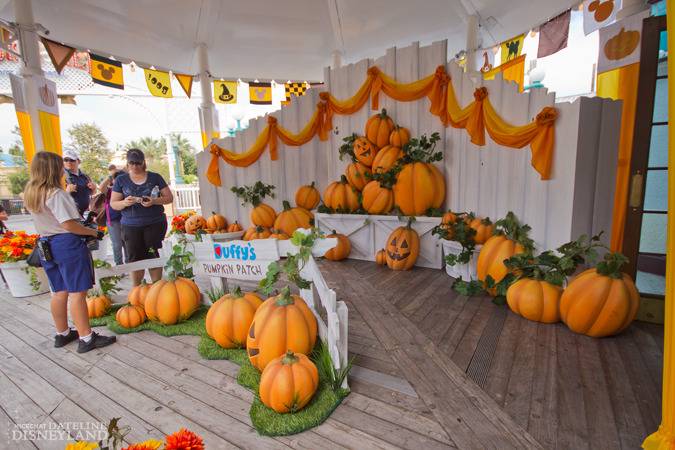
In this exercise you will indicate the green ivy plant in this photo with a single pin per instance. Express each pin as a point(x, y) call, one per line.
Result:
point(347, 148)
point(108, 285)
point(182, 259)
point(253, 195)
point(421, 149)
point(460, 232)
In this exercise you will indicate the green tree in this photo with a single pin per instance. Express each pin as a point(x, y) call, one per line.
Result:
point(186, 153)
point(19, 179)
point(88, 140)
point(155, 154)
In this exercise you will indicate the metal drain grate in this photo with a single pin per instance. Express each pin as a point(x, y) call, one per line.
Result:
point(487, 344)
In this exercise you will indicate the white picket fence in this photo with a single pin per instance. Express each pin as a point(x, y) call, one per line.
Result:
point(186, 197)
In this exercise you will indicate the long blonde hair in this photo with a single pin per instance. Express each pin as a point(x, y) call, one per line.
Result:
point(46, 176)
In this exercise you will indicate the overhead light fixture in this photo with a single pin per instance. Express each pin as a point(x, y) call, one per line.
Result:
point(6, 99)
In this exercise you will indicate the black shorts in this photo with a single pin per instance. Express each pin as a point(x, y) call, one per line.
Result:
point(143, 242)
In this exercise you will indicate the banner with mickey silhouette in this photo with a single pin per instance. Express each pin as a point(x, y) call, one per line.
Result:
point(620, 43)
point(260, 93)
point(512, 48)
point(225, 91)
point(106, 72)
point(599, 14)
point(159, 83)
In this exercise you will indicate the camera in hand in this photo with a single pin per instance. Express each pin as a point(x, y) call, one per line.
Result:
point(92, 241)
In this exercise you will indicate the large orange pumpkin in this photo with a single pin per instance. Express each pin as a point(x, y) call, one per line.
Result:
point(492, 255)
point(535, 300)
point(282, 323)
point(399, 137)
point(377, 199)
point(138, 293)
point(288, 383)
point(230, 317)
point(341, 250)
point(418, 188)
point(358, 175)
point(216, 222)
point(172, 301)
point(341, 196)
point(263, 215)
point(130, 316)
point(483, 227)
point(234, 227)
point(403, 248)
point(98, 306)
point(386, 158)
point(290, 219)
point(379, 128)
point(381, 257)
point(599, 305)
point(256, 232)
point(365, 151)
point(307, 197)
point(194, 224)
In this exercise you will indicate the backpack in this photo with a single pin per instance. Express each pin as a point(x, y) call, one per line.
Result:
point(97, 206)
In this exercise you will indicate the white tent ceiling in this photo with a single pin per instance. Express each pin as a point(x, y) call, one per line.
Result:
point(281, 39)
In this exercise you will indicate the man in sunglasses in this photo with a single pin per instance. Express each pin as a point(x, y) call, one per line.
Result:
point(78, 184)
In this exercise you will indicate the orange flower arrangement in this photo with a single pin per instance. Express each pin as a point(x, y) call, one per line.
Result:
point(178, 221)
point(151, 444)
point(16, 246)
point(184, 440)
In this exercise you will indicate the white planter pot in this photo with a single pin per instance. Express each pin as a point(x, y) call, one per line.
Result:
point(368, 234)
point(466, 271)
point(104, 249)
point(17, 277)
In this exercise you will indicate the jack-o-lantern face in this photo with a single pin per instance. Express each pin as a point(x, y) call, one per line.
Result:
point(403, 246)
point(365, 151)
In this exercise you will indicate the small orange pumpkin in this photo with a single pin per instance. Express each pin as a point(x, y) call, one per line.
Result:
point(341, 196)
point(138, 293)
point(535, 300)
point(230, 317)
point(307, 197)
point(256, 232)
point(280, 324)
point(278, 234)
point(263, 215)
point(381, 257)
point(399, 137)
point(341, 250)
point(288, 383)
point(358, 175)
point(290, 219)
point(379, 128)
point(365, 151)
point(483, 227)
point(172, 301)
point(130, 316)
point(216, 222)
point(98, 305)
point(386, 158)
point(419, 186)
point(492, 255)
point(403, 248)
point(449, 218)
point(194, 224)
point(377, 199)
point(234, 227)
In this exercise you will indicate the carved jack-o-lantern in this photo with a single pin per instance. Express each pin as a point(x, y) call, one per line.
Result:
point(403, 248)
point(365, 151)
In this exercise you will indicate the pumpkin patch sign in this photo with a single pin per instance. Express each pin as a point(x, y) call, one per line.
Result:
point(239, 260)
point(620, 43)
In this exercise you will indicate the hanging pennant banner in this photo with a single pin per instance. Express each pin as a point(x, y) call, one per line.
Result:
point(513, 70)
point(159, 83)
point(620, 43)
point(553, 34)
point(106, 72)
point(599, 14)
point(225, 91)
point(297, 89)
point(485, 59)
point(512, 48)
point(185, 82)
point(260, 93)
point(58, 53)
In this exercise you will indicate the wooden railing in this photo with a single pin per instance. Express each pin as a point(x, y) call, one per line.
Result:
point(187, 197)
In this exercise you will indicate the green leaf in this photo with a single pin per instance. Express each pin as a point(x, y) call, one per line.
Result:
point(468, 288)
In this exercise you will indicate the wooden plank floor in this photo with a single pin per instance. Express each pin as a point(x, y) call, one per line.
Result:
point(433, 370)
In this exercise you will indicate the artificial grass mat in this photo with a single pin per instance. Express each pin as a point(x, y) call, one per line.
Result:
point(265, 420)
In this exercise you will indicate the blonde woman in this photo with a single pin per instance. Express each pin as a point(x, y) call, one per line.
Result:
point(64, 254)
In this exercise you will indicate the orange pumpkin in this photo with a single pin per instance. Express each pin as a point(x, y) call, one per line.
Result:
point(341, 196)
point(138, 293)
point(263, 215)
point(403, 248)
point(282, 323)
point(172, 301)
point(194, 224)
point(365, 151)
point(449, 218)
point(256, 232)
point(599, 305)
point(279, 235)
point(358, 175)
point(216, 222)
point(341, 250)
point(379, 128)
point(535, 300)
point(130, 316)
point(622, 45)
point(418, 188)
point(290, 219)
point(483, 227)
point(492, 255)
point(399, 137)
point(230, 317)
point(381, 257)
point(288, 383)
point(307, 197)
point(386, 158)
point(234, 227)
point(98, 305)
point(377, 199)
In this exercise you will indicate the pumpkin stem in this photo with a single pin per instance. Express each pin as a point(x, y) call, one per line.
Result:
point(611, 265)
point(343, 179)
point(289, 358)
point(383, 114)
point(236, 292)
point(287, 205)
point(312, 184)
point(284, 298)
point(259, 228)
point(213, 213)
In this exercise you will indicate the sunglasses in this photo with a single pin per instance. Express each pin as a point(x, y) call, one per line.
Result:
point(135, 163)
point(69, 160)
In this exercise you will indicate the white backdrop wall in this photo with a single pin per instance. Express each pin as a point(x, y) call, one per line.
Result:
point(489, 180)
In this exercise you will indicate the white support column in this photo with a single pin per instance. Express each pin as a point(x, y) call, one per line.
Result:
point(471, 42)
point(208, 116)
point(337, 59)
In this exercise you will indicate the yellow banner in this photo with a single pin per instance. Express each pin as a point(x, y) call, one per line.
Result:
point(50, 126)
point(512, 48)
point(26, 130)
point(260, 93)
point(106, 72)
point(185, 82)
point(513, 70)
point(159, 83)
point(225, 91)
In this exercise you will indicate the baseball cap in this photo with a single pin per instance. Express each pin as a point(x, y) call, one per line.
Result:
point(71, 154)
point(135, 155)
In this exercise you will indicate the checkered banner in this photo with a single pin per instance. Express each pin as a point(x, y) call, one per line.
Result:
point(297, 89)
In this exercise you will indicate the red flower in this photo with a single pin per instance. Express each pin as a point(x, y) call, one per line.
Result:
point(184, 440)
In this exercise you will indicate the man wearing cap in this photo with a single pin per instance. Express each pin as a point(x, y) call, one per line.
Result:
point(78, 184)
